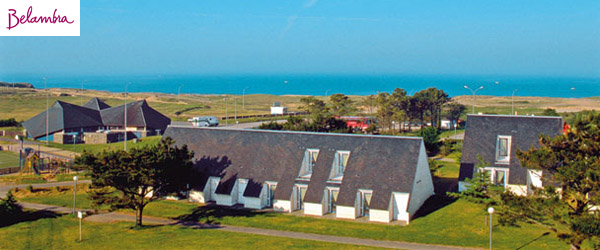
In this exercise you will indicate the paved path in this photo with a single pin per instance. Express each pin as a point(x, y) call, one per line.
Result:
point(115, 217)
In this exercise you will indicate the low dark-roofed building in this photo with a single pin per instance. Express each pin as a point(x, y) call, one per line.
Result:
point(140, 117)
point(96, 116)
point(496, 139)
point(65, 118)
point(384, 178)
point(96, 104)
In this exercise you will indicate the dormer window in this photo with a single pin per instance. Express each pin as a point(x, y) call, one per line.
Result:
point(339, 165)
point(503, 149)
point(308, 163)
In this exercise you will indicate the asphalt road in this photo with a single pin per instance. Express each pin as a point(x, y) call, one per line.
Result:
point(232, 125)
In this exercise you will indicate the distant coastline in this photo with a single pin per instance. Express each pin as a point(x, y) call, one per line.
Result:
point(320, 85)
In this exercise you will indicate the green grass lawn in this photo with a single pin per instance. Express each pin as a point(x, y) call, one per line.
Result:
point(448, 169)
point(97, 148)
point(62, 233)
point(448, 133)
point(33, 179)
point(460, 223)
point(9, 159)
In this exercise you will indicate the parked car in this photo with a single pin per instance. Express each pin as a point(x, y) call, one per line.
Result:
point(204, 121)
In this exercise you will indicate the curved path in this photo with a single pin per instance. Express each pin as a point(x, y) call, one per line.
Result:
point(114, 217)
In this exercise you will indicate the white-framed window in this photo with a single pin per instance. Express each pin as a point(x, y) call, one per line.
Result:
point(498, 176)
point(503, 145)
point(340, 162)
point(308, 163)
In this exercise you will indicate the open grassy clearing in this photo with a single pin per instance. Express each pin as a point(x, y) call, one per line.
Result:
point(63, 233)
point(9, 159)
point(97, 148)
point(22, 104)
point(32, 179)
point(459, 223)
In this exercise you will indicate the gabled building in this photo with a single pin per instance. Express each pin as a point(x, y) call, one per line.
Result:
point(384, 178)
point(64, 118)
point(496, 139)
point(141, 119)
point(68, 122)
point(96, 104)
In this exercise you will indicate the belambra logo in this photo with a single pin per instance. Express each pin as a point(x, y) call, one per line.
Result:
point(39, 17)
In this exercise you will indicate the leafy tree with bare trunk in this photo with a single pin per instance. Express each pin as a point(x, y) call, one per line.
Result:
point(134, 178)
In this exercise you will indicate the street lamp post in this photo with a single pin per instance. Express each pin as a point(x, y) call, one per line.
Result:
point(74, 192)
point(490, 211)
point(226, 113)
point(125, 119)
point(179, 91)
point(474, 92)
point(327, 92)
point(74, 137)
point(47, 100)
point(244, 98)
point(512, 103)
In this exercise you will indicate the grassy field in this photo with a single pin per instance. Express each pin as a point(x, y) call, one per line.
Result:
point(97, 148)
point(459, 223)
point(62, 233)
point(9, 159)
point(22, 104)
point(32, 179)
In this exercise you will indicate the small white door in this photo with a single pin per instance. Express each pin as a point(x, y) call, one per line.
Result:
point(270, 193)
point(301, 192)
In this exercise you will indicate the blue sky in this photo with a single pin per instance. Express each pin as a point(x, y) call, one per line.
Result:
point(549, 38)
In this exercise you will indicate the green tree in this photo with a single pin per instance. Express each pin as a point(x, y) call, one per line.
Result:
point(313, 105)
point(550, 112)
point(454, 111)
point(570, 162)
point(137, 177)
point(480, 188)
point(400, 104)
point(341, 105)
point(431, 139)
point(370, 103)
point(9, 209)
point(385, 110)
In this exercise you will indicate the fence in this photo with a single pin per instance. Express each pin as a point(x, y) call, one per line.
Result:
point(9, 170)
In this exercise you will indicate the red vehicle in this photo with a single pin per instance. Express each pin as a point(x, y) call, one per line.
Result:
point(358, 122)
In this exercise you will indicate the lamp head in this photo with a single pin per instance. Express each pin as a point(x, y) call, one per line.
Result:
point(75, 178)
point(466, 87)
point(491, 210)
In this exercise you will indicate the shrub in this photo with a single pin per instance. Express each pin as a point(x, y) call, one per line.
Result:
point(9, 209)
point(431, 139)
point(446, 148)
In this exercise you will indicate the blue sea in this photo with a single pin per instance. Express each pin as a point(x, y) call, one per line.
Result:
point(571, 87)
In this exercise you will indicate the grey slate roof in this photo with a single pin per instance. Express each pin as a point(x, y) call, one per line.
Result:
point(139, 114)
point(94, 114)
point(482, 131)
point(61, 116)
point(96, 104)
point(384, 164)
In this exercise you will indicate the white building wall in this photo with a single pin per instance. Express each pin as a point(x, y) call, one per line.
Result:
point(345, 212)
point(423, 184)
point(252, 202)
point(313, 209)
point(517, 189)
point(282, 205)
point(400, 210)
point(535, 177)
point(224, 200)
point(197, 196)
point(380, 215)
